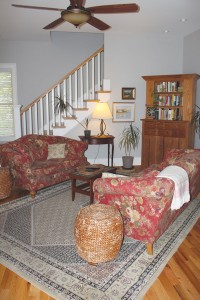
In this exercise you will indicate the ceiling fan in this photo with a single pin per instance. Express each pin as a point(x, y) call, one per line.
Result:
point(77, 14)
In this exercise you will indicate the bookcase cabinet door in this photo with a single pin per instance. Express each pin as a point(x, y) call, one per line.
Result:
point(160, 136)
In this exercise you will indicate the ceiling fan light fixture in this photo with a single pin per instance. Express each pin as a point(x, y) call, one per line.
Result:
point(76, 16)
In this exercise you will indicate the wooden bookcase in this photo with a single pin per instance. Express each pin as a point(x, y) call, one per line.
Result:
point(170, 100)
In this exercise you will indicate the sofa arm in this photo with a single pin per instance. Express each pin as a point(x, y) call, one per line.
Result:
point(75, 148)
point(147, 185)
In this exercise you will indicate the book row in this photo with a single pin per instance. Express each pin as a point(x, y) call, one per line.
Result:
point(172, 100)
point(167, 114)
point(171, 86)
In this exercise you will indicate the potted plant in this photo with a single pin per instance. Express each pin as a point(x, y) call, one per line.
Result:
point(129, 140)
point(196, 120)
point(63, 107)
point(87, 132)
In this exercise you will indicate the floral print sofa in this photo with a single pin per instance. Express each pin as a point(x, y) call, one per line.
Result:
point(144, 200)
point(38, 161)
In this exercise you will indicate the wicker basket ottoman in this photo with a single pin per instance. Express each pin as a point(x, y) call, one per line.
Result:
point(5, 182)
point(98, 233)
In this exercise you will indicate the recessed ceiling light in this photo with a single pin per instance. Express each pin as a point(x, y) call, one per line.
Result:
point(183, 20)
point(166, 31)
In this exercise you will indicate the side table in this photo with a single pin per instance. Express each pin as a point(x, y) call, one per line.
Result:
point(101, 140)
point(127, 172)
point(88, 181)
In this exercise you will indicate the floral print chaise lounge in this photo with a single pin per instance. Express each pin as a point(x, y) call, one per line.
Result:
point(145, 200)
point(38, 161)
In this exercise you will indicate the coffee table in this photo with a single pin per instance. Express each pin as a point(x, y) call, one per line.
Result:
point(88, 178)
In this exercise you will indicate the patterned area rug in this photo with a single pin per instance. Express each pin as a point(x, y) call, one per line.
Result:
point(36, 242)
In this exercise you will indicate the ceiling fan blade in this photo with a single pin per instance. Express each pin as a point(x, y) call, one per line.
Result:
point(98, 23)
point(38, 7)
point(114, 9)
point(54, 24)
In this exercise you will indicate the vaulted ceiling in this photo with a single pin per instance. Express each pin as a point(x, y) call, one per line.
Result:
point(177, 17)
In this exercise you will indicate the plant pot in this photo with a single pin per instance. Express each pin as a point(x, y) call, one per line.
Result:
point(87, 133)
point(127, 162)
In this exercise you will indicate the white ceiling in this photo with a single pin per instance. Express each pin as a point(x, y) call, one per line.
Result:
point(154, 17)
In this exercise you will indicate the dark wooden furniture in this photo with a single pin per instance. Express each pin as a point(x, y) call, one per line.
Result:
point(86, 188)
point(170, 100)
point(101, 140)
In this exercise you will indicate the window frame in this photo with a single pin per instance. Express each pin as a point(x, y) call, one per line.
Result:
point(13, 68)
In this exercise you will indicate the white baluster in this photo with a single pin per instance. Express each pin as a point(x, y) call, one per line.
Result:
point(47, 114)
point(30, 120)
point(81, 87)
point(92, 79)
point(36, 118)
point(41, 116)
point(53, 106)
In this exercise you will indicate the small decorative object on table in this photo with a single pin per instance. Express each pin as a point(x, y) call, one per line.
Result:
point(98, 233)
point(5, 182)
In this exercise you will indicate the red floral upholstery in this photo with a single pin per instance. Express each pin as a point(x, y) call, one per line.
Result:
point(27, 158)
point(144, 200)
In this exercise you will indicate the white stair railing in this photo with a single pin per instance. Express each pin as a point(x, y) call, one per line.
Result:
point(76, 87)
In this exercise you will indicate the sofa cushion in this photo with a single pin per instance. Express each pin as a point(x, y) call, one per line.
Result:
point(56, 151)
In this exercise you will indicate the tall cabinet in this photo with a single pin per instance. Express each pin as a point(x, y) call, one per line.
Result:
point(170, 100)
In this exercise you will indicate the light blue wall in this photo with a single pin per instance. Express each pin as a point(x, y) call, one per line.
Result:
point(42, 64)
point(191, 64)
point(127, 58)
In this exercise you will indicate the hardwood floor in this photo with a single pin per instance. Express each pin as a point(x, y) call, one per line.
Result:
point(180, 279)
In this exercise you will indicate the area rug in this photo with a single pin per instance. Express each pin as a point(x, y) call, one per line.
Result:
point(37, 243)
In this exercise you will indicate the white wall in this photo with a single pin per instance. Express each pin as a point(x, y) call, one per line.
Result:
point(191, 64)
point(41, 64)
point(127, 58)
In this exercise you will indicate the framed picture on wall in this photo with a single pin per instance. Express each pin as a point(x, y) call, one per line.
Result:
point(128, 93)
point(123, 112)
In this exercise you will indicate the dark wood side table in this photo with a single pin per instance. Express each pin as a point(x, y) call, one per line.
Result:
point(101, 140)
point(86, 188)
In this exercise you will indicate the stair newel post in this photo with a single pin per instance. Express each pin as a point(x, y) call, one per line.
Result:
point(75, 90)
point(98, 72)
point(92, 79)
point(87, 80)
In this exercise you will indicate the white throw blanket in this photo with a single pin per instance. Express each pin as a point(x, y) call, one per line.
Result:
point(181, 181)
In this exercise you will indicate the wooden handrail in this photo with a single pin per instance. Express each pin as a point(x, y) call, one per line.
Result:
point(61, 80)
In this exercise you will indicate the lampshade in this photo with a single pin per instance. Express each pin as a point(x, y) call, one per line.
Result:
point(102, 111)
point(76, 16)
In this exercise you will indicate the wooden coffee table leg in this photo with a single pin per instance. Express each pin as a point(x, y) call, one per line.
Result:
point(73, 185)
point(91, 191)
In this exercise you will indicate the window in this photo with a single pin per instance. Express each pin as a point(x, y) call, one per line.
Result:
point(8, 100)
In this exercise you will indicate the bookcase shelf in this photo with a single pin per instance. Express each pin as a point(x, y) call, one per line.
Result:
point(170, 100)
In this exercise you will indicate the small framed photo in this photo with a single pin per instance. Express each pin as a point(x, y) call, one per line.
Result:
point(123, 112)
point(128, 93)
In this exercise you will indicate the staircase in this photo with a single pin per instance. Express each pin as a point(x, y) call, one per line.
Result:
point(77, 88)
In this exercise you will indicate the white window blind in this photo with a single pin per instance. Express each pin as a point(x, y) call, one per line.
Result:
point(7, 100)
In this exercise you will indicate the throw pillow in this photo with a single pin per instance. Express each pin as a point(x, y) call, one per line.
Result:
point(111, 175)
point(56, 151)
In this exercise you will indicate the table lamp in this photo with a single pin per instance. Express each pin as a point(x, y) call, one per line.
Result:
point(102, 111)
